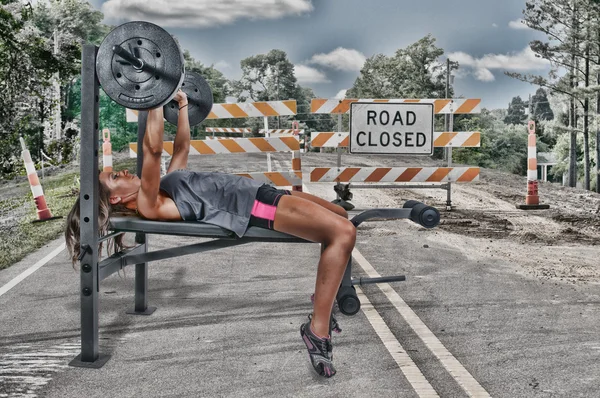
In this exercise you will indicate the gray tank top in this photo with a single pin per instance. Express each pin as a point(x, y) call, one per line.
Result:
point(220, 199)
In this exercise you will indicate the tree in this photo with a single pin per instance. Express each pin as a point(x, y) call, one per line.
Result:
point(571, 27)
point(516, 111)
point(413, 72)
point(266, 77)
point(540, 106)
point(270, 77)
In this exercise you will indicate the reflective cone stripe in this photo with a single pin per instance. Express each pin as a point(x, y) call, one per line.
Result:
point(43, 213)
point(394, 174)
point(280, 179)
point(107, 160)
point(228, 130)
point(231, 145)
point(441, 106)
point(253, 109)
point(440, 139)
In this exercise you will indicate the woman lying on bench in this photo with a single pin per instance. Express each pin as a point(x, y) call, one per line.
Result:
point(234, 203)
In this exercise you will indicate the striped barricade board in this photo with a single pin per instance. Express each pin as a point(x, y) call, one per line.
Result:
point(235, 130)
point(231, 145)
point(241, 110)
point(394, 174)
point(461, 139)
point(283, 131)
point(253, 109)
point(280, 179)
point(441, 106)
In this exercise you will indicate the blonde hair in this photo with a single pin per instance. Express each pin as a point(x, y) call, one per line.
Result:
point(72, 228)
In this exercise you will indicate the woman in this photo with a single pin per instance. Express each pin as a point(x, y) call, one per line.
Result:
point(234, 203)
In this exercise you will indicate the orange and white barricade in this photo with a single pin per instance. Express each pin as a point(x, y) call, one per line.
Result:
point(43, 212)
point(441, 106)
point(394, 174)
point(267, 145)
point(431, 177)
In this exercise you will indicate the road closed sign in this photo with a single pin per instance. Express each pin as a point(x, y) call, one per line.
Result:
point(391, 128)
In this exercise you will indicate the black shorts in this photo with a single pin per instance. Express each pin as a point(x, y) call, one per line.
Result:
point(265, 206)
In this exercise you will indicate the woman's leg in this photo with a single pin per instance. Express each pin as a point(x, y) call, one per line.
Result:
point(308, 220)
point(320, 201)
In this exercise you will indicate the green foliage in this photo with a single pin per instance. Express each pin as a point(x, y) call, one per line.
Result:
point(413, 72)
point(541, 106)
point(503, 146)
point(29, 65)
point(516, 111)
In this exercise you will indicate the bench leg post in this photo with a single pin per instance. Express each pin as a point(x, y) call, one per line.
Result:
point(141, 282)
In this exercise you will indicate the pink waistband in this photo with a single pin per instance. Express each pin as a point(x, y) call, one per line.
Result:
point(262, 210)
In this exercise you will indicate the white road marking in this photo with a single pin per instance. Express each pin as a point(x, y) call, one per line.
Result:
point(22, 376)
point(452, 365)
point(407, 366)
point(19, 278)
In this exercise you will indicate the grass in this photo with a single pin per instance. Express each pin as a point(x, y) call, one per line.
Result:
point(19, 236)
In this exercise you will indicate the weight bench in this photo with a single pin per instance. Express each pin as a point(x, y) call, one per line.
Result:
point(93, 271)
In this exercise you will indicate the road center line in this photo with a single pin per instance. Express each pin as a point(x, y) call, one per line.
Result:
point(19, 278)
point(407, 366)
point(452, 365)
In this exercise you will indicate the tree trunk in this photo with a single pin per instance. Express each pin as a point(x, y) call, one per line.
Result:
point(572, 133)
point(586, 135)
point(597, 125)
point(586, 108)
point(573, 146)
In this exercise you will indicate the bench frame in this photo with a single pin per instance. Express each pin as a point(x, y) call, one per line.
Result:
point(92, 272)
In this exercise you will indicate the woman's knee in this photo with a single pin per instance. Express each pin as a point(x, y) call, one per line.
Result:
point(345, 234)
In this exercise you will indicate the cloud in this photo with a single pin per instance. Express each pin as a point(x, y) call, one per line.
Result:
point(495, 25)
point(481, 68)
point(341, 94)
point(307, 74)
point(341, 59)
point(518, 24)
point(222, 65)
point(202, 13)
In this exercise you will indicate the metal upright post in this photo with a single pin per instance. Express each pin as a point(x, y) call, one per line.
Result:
point(141, 270)
point(449, 121)
point(339, 151)
point(267, 135)
point(88, 196)
point(451, 128)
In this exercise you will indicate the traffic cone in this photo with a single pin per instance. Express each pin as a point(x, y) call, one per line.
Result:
point(43, 212)
point(532, 200)
point(107, 160)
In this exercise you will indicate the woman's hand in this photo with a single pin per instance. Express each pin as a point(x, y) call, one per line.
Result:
point(181, 98)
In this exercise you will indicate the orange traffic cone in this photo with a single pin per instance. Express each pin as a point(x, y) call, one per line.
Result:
point(43, 212)
point(532, 200)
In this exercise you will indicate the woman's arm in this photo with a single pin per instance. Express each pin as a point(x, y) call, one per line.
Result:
point(147, 200)
point(181, 146)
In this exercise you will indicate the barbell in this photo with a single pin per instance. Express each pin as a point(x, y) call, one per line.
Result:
point(140, 66)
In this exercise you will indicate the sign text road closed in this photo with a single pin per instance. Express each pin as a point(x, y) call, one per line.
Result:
point(388, 128)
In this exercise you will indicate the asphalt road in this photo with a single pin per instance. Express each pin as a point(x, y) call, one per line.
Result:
point(227, 324)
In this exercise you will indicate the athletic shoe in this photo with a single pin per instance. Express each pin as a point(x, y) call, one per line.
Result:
point(320, 351)
point(333, 324)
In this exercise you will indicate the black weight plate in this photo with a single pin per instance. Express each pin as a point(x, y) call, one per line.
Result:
point(153, 85)
point(200, 100)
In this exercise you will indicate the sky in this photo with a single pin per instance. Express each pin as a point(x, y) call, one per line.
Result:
point(329, 40)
